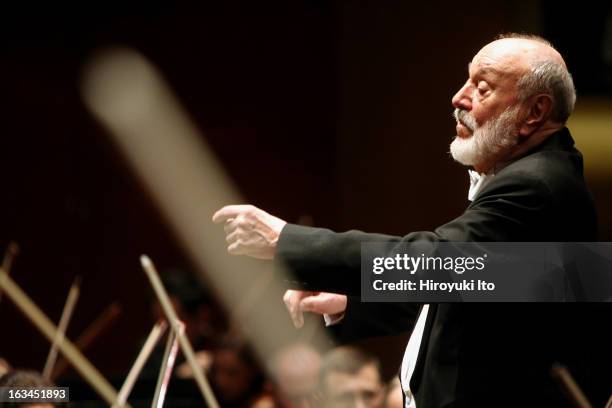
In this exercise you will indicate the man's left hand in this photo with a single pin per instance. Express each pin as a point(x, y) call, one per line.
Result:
point(323, 303)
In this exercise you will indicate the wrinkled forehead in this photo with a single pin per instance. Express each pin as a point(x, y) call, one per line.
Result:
point(504, 58)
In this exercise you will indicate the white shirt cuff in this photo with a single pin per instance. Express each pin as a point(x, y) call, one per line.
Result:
point(331, 320)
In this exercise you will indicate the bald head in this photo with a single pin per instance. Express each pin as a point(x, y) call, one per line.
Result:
point(519, 53)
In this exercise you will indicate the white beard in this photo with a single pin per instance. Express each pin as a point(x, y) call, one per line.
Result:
point(489, 142)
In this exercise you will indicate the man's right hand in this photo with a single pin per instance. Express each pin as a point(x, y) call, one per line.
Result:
point(322, 303)
point(249, 230)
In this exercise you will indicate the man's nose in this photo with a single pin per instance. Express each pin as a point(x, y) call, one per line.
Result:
point(463, 97)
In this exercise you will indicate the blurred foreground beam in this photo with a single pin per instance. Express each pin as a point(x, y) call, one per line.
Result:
point(129, 97)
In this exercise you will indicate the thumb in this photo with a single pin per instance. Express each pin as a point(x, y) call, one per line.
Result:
point(292, 302)
point(297, 317)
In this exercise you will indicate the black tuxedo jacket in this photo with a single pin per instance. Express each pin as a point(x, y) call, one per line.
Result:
point(477, 355)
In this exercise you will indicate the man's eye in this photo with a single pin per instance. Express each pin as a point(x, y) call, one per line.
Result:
point(482, 88)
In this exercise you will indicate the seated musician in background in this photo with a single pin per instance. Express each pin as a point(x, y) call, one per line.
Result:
point(351, 378)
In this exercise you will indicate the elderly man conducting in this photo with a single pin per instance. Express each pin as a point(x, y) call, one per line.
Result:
point(526, 185)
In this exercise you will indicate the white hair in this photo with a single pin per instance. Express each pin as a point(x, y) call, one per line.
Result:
point(554, 79)
point(547, 76)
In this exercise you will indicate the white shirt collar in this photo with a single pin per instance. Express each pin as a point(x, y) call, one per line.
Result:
point(477, 182)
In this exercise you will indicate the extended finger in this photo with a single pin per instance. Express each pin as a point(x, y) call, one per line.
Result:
point(229, 211)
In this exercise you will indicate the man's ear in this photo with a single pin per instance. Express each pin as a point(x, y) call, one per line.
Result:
point(540, 107)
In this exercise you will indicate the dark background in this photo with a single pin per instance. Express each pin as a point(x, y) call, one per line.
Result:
point(335, 110)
